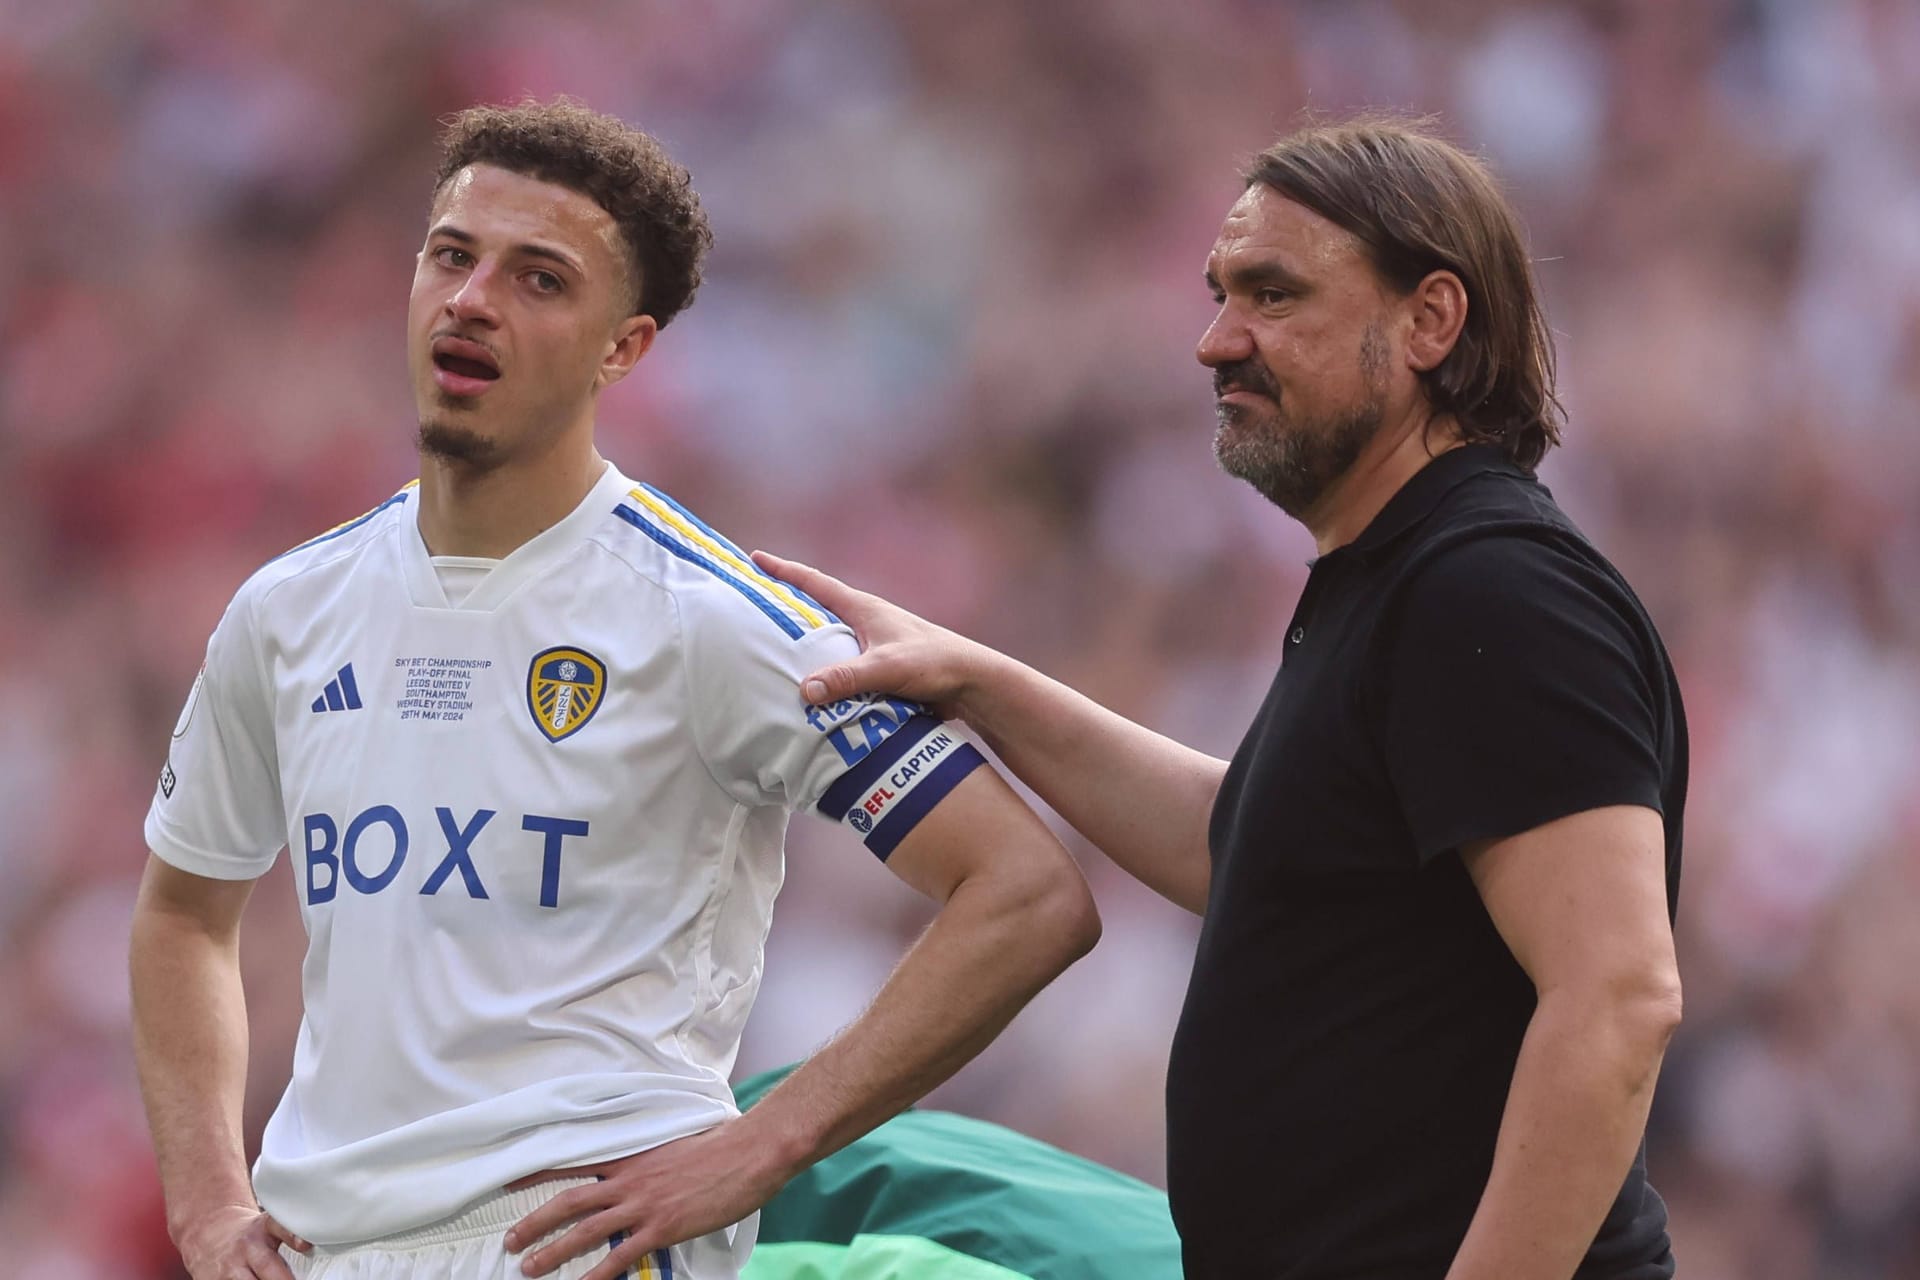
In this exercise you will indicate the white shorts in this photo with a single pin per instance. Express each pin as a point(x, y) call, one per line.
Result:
point(472, 1246)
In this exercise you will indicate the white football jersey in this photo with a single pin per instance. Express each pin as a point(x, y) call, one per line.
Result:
point(536, 838)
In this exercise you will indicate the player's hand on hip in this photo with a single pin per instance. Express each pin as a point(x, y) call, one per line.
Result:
point(900, 653)
point(237, 1242)
point(676, 1192)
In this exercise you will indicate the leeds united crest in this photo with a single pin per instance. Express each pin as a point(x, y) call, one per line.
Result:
point(564, 688)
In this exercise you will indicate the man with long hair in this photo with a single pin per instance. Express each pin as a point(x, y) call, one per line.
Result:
point(1436, 973)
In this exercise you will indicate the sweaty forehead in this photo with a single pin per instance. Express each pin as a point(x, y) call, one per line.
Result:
point(493, 203)
point(1265, 227)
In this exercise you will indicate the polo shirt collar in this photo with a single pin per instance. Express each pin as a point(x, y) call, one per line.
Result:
point(1422, 492)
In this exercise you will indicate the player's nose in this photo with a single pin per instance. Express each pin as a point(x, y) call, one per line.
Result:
point(472, 302)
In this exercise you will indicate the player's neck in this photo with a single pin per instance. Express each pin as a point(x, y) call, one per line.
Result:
point(1391, 459)
point(490, 513)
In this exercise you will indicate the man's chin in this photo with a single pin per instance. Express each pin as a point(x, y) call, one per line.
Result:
point(1277, 472)
point(462, 445)
point(447, 402)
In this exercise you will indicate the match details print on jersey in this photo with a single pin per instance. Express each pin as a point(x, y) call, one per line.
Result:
point(366, 852)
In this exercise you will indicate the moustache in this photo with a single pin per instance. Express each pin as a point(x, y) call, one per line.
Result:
point(462, 335)
point(1244, 375)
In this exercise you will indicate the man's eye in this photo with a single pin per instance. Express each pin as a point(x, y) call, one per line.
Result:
point(448, 256)
point(546, 281)
point(1270, 297)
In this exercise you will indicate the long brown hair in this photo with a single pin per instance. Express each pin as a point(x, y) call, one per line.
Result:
point(1420, 204)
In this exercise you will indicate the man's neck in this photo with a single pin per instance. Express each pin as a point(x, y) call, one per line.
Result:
point(491, 513)
point(1390, 459)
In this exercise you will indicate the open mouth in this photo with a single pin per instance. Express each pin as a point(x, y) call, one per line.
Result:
point(466, 368)
point(469, 362)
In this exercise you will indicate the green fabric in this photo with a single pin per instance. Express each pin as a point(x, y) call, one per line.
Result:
point(869, 1258)
point(977, 1189)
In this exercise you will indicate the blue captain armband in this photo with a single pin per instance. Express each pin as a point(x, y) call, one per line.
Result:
point(885, 795)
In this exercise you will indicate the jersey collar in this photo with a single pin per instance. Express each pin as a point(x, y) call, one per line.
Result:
point(526, 562)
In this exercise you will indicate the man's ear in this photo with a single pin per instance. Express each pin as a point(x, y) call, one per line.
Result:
point(631, 340)
point(1439, 305)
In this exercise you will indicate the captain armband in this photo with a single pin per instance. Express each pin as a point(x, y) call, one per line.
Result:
point(900, 780)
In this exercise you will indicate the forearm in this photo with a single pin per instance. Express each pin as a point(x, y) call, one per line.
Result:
point(991, 948)
point(1575, 1116)
point(190, 1044)
point(1141, 798)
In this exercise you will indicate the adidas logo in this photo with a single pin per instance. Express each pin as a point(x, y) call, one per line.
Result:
point(342, 693)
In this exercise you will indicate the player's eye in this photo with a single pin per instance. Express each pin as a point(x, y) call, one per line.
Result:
point(449, 256)
point(1270, 297)
point(546, 281)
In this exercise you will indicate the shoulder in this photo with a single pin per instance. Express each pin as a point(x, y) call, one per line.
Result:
point(1533, 591)
point(332, 549)
point(1498, 539)
point(712, 581)
point(340, 544)
point(1509, 569)
point(1501, 561)
point(1499, 491)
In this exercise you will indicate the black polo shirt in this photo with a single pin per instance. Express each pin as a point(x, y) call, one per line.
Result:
point(1468, 668)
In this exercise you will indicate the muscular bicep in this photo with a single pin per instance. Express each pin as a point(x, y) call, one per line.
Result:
point(1582, 902)
point(978, 828)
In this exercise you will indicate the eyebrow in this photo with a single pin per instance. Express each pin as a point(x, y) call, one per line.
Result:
point(526, 248)
point(1258, 275)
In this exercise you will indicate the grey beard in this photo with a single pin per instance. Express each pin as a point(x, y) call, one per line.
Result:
point(1293, 466)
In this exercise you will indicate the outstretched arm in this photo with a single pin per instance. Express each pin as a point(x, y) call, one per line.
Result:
point(1142, 798)
point(1014, 913)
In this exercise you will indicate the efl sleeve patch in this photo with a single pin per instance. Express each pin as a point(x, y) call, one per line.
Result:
point(899, 782)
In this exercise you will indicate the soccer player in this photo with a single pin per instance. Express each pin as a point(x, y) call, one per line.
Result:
point(1436, 969)
point(530, 732)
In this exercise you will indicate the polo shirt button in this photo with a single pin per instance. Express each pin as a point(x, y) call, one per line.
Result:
point(1299, 634)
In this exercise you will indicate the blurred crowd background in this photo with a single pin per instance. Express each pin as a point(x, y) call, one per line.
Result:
point(945, 349)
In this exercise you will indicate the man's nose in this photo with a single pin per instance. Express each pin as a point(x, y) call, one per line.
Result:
point(1226, 341)
point(472, 302)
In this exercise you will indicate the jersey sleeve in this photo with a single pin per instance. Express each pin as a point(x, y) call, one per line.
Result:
point(217, 809)
point(1518, 692)
point(879, 765)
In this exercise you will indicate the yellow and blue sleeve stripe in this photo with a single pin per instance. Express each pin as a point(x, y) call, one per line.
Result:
point(350, 525)
point(686, 536)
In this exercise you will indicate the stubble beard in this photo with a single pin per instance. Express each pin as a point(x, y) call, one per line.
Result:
point(1290, 461)
point(462, 446)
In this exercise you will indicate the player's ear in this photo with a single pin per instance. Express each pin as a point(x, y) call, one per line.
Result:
point(631, 340)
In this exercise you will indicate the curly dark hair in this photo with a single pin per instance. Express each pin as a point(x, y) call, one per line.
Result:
point(1420, 204)
point(624, 171)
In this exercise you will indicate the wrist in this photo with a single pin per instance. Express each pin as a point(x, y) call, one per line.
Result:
point(981, 674)
point(189, 1224)
point(779, 1138)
